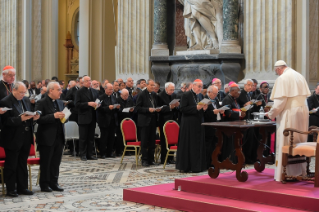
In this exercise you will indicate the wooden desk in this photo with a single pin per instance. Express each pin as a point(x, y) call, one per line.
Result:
point(236, 129)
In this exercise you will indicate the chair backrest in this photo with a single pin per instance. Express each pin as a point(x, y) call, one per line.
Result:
point(2, 153)
point(33, 148)
point(171, 132)
point(128, 129)
point(71, 130)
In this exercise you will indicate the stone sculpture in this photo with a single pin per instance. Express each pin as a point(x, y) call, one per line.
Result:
point(203, 23)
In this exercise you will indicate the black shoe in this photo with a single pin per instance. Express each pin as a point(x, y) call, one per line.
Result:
point(83, 158)
point(56, 188)
point(167, 163)
point(110, 156)
point(171, 162)
point(12, 193)
point(26, 192)
point(46, 189)
point(145, 163)
point(92, 158)
point(152, 163)
point(103, 156)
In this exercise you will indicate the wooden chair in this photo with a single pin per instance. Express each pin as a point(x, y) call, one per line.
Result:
point(34, 161)
point(2, 156)
point(130, 141)
point(306, 149)
point(171, 132)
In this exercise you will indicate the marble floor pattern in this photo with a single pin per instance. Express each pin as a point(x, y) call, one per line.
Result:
point(96, 185)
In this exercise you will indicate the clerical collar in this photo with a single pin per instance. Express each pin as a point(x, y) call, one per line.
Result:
point(5, 82)
point(52, 100)
point(231, 96)
point(193, 92)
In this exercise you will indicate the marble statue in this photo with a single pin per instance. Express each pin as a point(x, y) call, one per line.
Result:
point(203, 23)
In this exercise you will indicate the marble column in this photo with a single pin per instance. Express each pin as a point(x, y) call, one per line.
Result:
point(160, 29)
point(269, 36)
point(49, 42)
point(230, 43)
point(134, 39)
point(9, 34)
point(36, 71)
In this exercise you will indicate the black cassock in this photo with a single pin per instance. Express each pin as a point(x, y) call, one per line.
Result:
point(251, 135)
point(191, 147)
point(313, 102)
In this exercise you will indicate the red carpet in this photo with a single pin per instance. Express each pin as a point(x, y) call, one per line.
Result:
point(259, 193)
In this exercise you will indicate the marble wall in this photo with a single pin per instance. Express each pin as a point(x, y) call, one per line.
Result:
point(313, 40)
point(134, 39)
point(269, 35)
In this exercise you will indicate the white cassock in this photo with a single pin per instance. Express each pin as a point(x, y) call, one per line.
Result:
point(290, 109)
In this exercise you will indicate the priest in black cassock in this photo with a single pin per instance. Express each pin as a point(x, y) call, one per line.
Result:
point(218, 83)
point(212, 114)
point(234, 114)
point(168, 112)
point(191, 146)
point(313, 103)
point(250, 140)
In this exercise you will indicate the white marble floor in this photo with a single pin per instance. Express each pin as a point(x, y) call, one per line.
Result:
point(94, 186)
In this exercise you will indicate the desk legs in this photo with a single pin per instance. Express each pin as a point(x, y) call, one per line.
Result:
point(259, 165)
point(213, 172)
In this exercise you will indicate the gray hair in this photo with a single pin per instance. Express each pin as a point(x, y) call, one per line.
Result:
point(149, 80)
point(182, 84)
point(18, 84)
point(7, 71)
point(248, 80)
point(187, 84)
point(210, 88)
point(71, 81)
point(226, 86)
point(168, 84)
point(51, 86)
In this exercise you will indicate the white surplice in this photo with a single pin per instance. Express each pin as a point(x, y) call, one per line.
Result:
point(291, 111)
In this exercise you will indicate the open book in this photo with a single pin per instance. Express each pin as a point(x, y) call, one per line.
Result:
point(127, 110)
point(6, 109)
point(29, 113)
point(174, 101)
point(204, 102)
point(224, 108)
point(254, 101)
point(248, 107)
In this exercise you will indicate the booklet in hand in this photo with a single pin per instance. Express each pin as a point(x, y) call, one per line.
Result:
point(127, 110)
point(204, 102)
point(159, 108)
point(225, 107)
point(5, 109)
point(254, 101)
point(245, 108)
point(174, 101)
point(66, 102)
point(98, 102)
point(269, 104)
point(29, 113)
point(33, 96)
point(67, 114)
point(115, 105)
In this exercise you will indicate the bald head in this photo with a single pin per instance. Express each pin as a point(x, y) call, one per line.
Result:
point(108, 89)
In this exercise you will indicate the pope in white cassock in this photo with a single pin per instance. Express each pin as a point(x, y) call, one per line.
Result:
point(290, 109)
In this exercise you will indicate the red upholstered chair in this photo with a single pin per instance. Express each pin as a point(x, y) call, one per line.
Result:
point(130, 142)
point(2, 155)
point(171, 132)
point(33, 160)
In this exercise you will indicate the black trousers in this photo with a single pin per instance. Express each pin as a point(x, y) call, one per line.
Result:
point(107, 139)
point(15, 167)
point(148, 137)
point(86, 132)
point(50, 162)
point(250, 144)
point(119, 146)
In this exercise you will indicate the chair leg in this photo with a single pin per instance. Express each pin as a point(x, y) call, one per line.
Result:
point(166, 159)
point(136, 157)
point(284, 164)
point(139, 154)
point(74, 149)
point(30, 178)
point(38, 178)
point(2, 181)
point(123, 154)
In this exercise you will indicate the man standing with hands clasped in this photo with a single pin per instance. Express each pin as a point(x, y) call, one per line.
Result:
point(16, 139)
point(50, 137)
point(147, 117)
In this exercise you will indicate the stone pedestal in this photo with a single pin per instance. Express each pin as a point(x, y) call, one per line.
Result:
point(178, 69)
